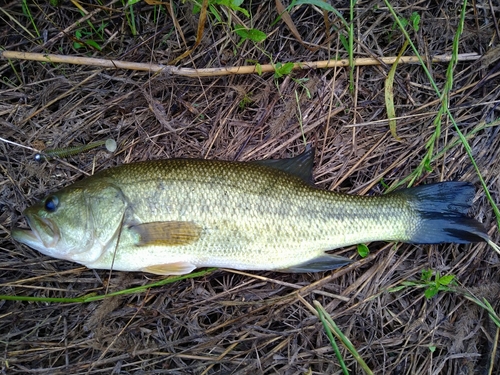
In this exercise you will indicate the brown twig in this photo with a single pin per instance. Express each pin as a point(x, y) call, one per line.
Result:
point(212, 72)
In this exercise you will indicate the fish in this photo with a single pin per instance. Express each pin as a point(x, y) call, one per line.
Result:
point(169, 217)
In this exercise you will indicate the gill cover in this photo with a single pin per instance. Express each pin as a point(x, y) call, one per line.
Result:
point(105, 207)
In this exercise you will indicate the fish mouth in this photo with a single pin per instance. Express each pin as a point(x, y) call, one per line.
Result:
point(42, 235)
point(24, 235)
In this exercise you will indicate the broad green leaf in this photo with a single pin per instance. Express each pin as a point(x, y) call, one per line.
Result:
point(446, 280)
point(363, 250)
point(258, 69)
point(215, 13)
point(431, 292)
point(283, 69)
point(415, 21)
point(93, 44)
point(253, 34)
point(234, 5)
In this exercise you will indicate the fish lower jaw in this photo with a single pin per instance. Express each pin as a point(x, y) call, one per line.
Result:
point(31, 238)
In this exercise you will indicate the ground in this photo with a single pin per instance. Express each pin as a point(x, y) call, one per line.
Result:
point(227, 322)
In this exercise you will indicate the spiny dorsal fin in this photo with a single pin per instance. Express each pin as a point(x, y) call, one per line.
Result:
point(300, 165)
point(167, 233)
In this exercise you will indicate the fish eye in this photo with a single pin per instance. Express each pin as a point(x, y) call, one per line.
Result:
point(51, 203)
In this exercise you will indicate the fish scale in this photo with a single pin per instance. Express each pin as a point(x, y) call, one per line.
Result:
point(172, 216)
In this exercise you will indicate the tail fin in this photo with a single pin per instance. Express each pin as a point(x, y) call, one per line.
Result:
point(443, 211)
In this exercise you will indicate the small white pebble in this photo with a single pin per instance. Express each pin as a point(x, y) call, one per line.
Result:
point(110, 145)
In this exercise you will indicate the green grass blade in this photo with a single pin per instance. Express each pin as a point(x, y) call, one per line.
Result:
point(389, 93)
point(26, 11)
point(340, 336)
point(351, 45)
point(92, 298)
point(335, 347)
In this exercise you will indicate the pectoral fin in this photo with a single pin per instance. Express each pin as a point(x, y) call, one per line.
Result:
point(177, 268)
point(167, 233)
point(321, 263)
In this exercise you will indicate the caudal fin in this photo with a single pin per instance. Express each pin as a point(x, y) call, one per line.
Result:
point(443, 209)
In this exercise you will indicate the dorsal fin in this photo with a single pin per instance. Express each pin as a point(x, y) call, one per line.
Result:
point(300, 165)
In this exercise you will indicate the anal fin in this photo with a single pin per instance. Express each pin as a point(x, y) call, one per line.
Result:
point(176, 268)
point(324, 262)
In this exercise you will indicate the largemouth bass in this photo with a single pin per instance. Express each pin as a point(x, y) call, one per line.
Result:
point(171, 216)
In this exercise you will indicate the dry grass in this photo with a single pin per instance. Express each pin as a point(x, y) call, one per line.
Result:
point(231, 322)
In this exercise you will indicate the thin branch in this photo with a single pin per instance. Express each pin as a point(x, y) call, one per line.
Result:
point(211, 72)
